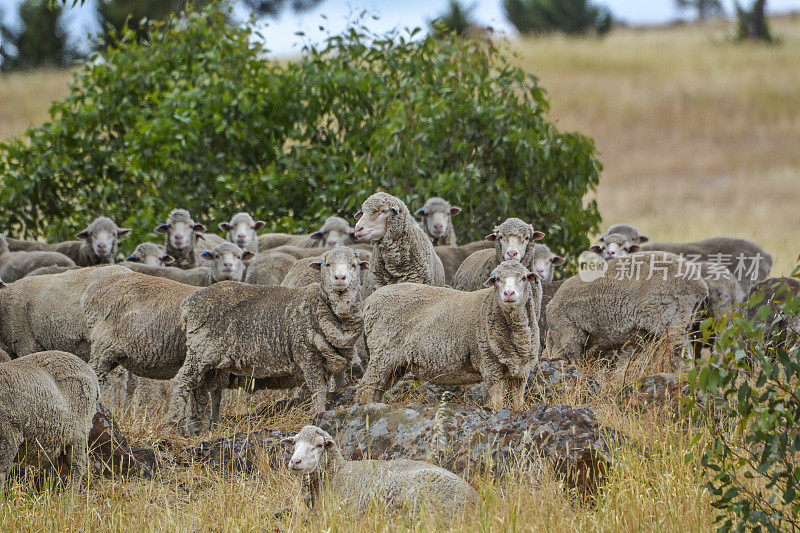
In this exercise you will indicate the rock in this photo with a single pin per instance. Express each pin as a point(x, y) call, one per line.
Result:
point(460, 438)
point(109, 452)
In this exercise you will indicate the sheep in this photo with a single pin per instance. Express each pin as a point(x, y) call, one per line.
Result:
point(302, 275)
point(436, 220)
point(644, 294)
point(18, 245)
point(181, 234)
point(47, 403)
point(226, 263)
point(134, 321)
point(512, 241)
point(280, 336)
point(401, 252)
point(42, 312)
point(451, 337)
point(268, 241)
point(150, 254)
point(452, 256)
point(398, 484)
point(627, 231)
point(16, 265)
point(334, 232)
point(748, 262)
point(269, 268)
point(614, 246)
point(241, 230)
point(544, 262)
point(297, 252)
point(96, 244)
point(49, 270)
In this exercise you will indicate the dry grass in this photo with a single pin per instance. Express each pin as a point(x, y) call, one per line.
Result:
point(26, 97)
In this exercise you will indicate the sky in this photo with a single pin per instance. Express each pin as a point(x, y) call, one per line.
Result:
point(281, 38)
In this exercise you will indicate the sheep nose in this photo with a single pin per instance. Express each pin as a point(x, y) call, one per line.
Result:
point(340, 277)
point(437, 227)
point(241, 237)
point(102, 247)
point(228, 265)
point(296, 462)
point(512, 254)
point(509, 294)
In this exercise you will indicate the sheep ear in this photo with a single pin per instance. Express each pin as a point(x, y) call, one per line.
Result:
point(287, 440)
point(596, 249)
point(82, 234)
point(420, 213)
point(167, 259)
point(247, 256)
point(163, 228)
point(532, 276)
point(602, 239)
point(199, 228)
point(490, 282)
point(538, 235)
point(633, 248)
point(329, 444)
point(364, 265)
point(315, 265)
point(121, 232)
point(359, 214)
point(225, 226)
point(317, 236)
point(258, 225)
point(491, 237)
point(643, 239)
point(557, 260)
point(207, 255)
point(454, 210)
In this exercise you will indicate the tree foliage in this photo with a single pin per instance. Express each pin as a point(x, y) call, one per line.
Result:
point(458, 18)
point(573, 17)
point(704, 8)
point(196, 118)
point(753, 471)
point(752, 23)
point(39, 42)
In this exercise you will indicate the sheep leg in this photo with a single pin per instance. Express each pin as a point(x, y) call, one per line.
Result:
point(518, 392)
point(376, 381)
point(317, 382)
point(497, 393)
point(10, 442)
point(77, 458)
point(103, 361)
point(188, 380)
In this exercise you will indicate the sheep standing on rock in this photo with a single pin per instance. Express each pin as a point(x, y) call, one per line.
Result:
point(16, 265)
point(642, 295)
point(513, 240)
point(398, 484)
point(226, 262)
point(181, 234)
point(401, 252)
point(614, 246)
point(282, 337)
point(47, 404)
point(242, 230)
point(436, 216)
point(451, 337)
point(97, 243)
point(150, 254)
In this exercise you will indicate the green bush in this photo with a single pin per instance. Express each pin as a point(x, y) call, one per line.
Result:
point(752, 465)
point(573, 17)
point(195, 118)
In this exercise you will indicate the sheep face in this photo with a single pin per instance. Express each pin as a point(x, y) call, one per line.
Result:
point(339, 268)
point(436, 217)
point(510, 281)
point(103, 235)
point(242, 229)
point(512, 239)
point(335, 232)
point(180, 229)
point(614, 246)
point(372, 223)
point(310, 444)
point(544, 262)
point(150, 254)
point(227, 262)
point(628, 231)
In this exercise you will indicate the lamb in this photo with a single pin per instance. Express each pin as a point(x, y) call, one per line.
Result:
point(97, 243)
point(134, 321)
point(334, 232)
point(644, 294)
point(544, 262)
point(512, 241)
point(398, 484)
point(401, 252)
point(614, 246)
point(226, 263)
point(280, 336)
point(42, 312)
point(302, 275)
point(16, 265)
point(451, 337)
point(47, 404)
point(150, 254)
point(181, 234)
point(269, 268)
point(436, 220)
point(628, 232)
point(748, 262)
point(241, 230)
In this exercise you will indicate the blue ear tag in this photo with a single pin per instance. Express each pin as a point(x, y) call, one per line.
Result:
point(131, 258)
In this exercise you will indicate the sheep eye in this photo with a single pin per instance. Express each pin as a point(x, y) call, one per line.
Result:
point(384, 210)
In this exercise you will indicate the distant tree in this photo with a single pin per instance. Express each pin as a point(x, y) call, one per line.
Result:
point(753, 24)
point(40, 41)
point(574, 17)
point(704, 8)
point(457, 19)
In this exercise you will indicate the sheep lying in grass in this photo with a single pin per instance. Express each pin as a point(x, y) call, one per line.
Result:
point(280, 336)
point(436, 220)
point(642, 295)
point(451, 337)
point(270, 268)
point(242, 230)
point(97, 243)
point(513, 240)
point(398, 484)
point(150, 254)
point(16, 265)
point(614, 246)
point(47, 403)
point(226, 262)
point(401, 251)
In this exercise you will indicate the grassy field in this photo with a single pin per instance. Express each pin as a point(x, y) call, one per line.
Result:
point(698, 136)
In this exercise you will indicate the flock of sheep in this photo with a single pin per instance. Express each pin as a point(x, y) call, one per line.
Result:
point(388, 297)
